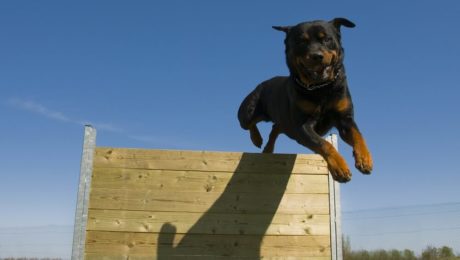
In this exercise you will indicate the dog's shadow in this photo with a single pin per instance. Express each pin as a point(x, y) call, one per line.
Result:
point(238, 220)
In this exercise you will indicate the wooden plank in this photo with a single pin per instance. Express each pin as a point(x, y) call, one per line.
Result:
point(208, 223)
point(110, 256)
point(209, 161)
point(126, 199)
point(189, 154)
point(194, 181)
point(165, 245)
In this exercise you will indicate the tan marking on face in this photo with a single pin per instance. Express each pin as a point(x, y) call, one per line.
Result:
point(297, 66)
point(321, 35)
point(329, 57)
point(304, 79)
point(343, 105)
point(299, 62)
point(305, 36)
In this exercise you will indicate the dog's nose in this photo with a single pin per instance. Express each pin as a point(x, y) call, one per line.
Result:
point(317, 56)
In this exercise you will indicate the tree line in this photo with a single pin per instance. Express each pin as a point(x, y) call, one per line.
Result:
point(429, 253)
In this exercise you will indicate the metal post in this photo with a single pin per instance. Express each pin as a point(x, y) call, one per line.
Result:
point(335, 210)
point(81, 213)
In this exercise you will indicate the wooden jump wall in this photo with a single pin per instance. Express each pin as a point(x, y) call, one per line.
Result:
point(159, 204)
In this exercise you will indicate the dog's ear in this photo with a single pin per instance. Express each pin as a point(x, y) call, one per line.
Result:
point(337, 22)
point(285, 29)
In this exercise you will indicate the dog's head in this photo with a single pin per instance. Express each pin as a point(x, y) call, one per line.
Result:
point(314, 53)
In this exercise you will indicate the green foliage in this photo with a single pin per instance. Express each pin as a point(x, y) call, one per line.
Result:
point(443, 253)
point(429, 253)
point(409, 254)
point(446, 253)
point(381, 255)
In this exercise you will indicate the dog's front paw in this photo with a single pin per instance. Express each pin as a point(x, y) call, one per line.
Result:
point(363, 161)
point(338, 169)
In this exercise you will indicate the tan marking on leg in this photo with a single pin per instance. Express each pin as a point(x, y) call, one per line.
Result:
point(335, 162)
point(363, 158)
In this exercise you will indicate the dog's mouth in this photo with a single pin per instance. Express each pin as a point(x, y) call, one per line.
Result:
point(316, 68)
point(318, 74)
point(324, 73)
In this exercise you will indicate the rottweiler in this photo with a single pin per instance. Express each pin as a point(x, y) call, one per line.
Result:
point(310, 101)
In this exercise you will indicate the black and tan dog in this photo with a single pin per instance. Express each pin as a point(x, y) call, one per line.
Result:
point(312, 100)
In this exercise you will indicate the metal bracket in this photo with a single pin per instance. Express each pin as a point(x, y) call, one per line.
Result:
point(335, 210)
point(81, 213)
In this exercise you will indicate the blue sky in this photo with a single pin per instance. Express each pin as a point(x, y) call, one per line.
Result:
point(171, 75)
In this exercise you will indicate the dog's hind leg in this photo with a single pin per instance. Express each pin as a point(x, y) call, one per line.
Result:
point(250, 113)
point(256, 138)
point(270, 146)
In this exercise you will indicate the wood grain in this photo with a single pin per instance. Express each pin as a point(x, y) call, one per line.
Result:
point(232, 224)
point(209, 161)
point(246, 203)
point(195, 181)
point(147, 244)
point(153, 204)
point(107, 256)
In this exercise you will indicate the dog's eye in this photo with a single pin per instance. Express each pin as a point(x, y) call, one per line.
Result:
point(327, 39)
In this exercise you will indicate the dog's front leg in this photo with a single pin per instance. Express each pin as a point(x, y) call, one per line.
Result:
point(349, 132)
point(306, 136)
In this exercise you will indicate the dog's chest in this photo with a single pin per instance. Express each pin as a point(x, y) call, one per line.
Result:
point(318, 109)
